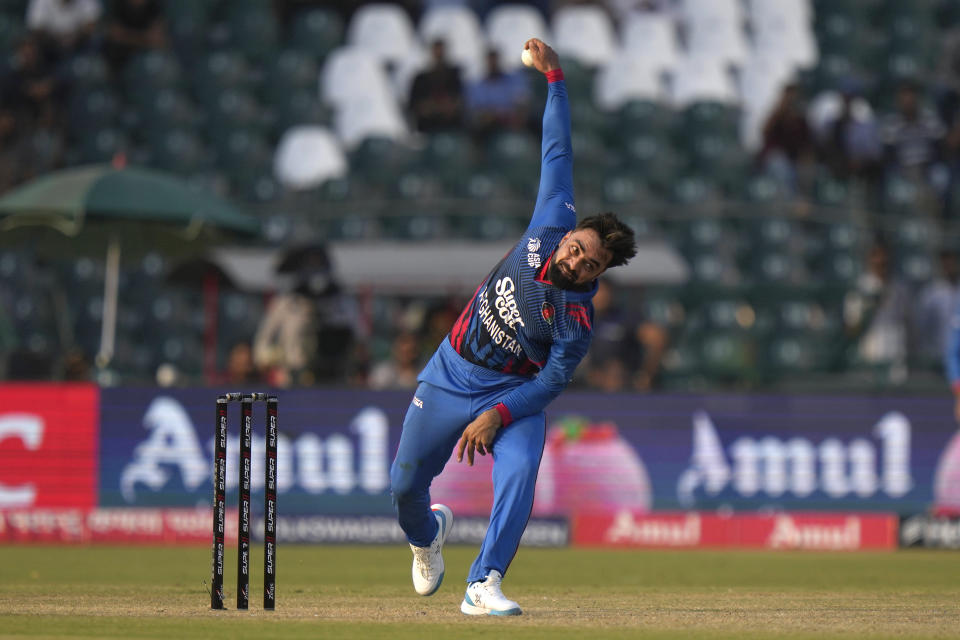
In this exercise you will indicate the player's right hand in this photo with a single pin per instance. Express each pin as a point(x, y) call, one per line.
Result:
point(544, 57)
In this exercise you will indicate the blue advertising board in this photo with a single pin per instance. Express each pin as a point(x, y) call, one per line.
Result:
point(647, 452)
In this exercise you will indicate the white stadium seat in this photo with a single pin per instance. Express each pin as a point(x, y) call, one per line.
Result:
point(652, 38)
point(585, 33)
point(620, 81)
point(509, 26)
point(361, 118)
point(459, 28)
point(350, 72)
point(715, 28)
point(702, 79)
point(307, 156)
point(783, 30)
point(385, 30)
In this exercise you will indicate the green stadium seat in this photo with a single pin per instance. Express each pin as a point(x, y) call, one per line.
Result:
point(187, 22)
point(253, 30)
point(694, 190)
point(623, 188)
point(243, 153)
point(179, 151)
point(796, 354)
point(515, 156)
point(218, 72)
point(578, 78)
point(380, 162)
point(11, 30)
point(831, 192)
point(730, 356)
point(901, 196)
point(87, 70)
point(486, 226)
point(101, 145)
point(651, 157)
point(763, 191)
point(411, 187)
point(354, 227)
point(413, 227)
point(707, 117)
point(169, 108)
point(298, 107)
point(681, 367)
point(720, 159)
point(93, 109)
point(587, 119)
point(292, 69)
point(917, 266)
point(152, 70)
point(235, 109)
point(316, 32)
point(643, 116)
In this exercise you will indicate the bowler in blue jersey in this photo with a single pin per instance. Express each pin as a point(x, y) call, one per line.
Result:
point(513, 349)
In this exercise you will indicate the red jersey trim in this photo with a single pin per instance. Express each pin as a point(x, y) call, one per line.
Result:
point(505, 416)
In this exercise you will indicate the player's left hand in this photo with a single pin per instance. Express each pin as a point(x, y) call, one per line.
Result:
point(479, 435)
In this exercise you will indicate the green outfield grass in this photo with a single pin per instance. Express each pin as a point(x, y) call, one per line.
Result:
point(365, 592)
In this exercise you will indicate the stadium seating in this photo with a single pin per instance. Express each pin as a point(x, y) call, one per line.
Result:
point(667, 112)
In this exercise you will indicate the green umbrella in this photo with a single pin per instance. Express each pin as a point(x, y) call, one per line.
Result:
point(91, 207)
point(65, 200)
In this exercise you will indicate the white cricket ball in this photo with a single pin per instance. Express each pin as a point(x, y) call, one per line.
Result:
point(526, 58)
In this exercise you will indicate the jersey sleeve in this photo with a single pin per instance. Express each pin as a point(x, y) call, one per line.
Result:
point(533, 396)
point(554, 206)
point(952, 355)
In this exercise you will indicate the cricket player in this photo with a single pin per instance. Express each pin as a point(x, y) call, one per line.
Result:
point(511, 352)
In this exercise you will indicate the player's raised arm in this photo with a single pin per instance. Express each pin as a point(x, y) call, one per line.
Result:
point(555, 198)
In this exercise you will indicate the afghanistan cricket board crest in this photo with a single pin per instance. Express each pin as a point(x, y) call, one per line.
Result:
point(548, 312)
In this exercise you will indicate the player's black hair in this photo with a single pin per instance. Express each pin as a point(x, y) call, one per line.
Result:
point(615, 236)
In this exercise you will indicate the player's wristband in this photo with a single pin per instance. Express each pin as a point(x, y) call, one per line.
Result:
point(555, 75)
point(505, 416)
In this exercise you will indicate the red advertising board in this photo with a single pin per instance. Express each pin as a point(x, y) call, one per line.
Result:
point(48, 445)
point(810, 531)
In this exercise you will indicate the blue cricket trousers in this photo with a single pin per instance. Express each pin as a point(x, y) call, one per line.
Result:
point(434, 423)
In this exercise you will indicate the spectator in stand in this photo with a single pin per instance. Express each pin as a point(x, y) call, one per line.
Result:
point(64, 26)
point(308, 334)
point(403, 367)
point(913, 139)
point(240, 368)
point(436, 96)
point(134, 26)
point(938, 302)
point(852, 145)
point(876, 315)
point(31, 90)
point(14, 149)
point(787, 153)
point(627, 350)
point(498, 101)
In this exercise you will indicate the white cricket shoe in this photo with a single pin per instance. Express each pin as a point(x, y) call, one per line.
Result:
point(486, 599)
point(428, 561)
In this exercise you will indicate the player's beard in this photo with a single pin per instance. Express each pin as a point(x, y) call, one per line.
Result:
point(559, 279)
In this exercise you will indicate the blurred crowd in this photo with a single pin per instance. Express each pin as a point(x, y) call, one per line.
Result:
point(903, 138)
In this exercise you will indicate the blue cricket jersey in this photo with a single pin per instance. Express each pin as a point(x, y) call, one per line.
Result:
point(952, 356)
point(517, 323)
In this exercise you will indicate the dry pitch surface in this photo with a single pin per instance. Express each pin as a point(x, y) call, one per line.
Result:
point(365, 592)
